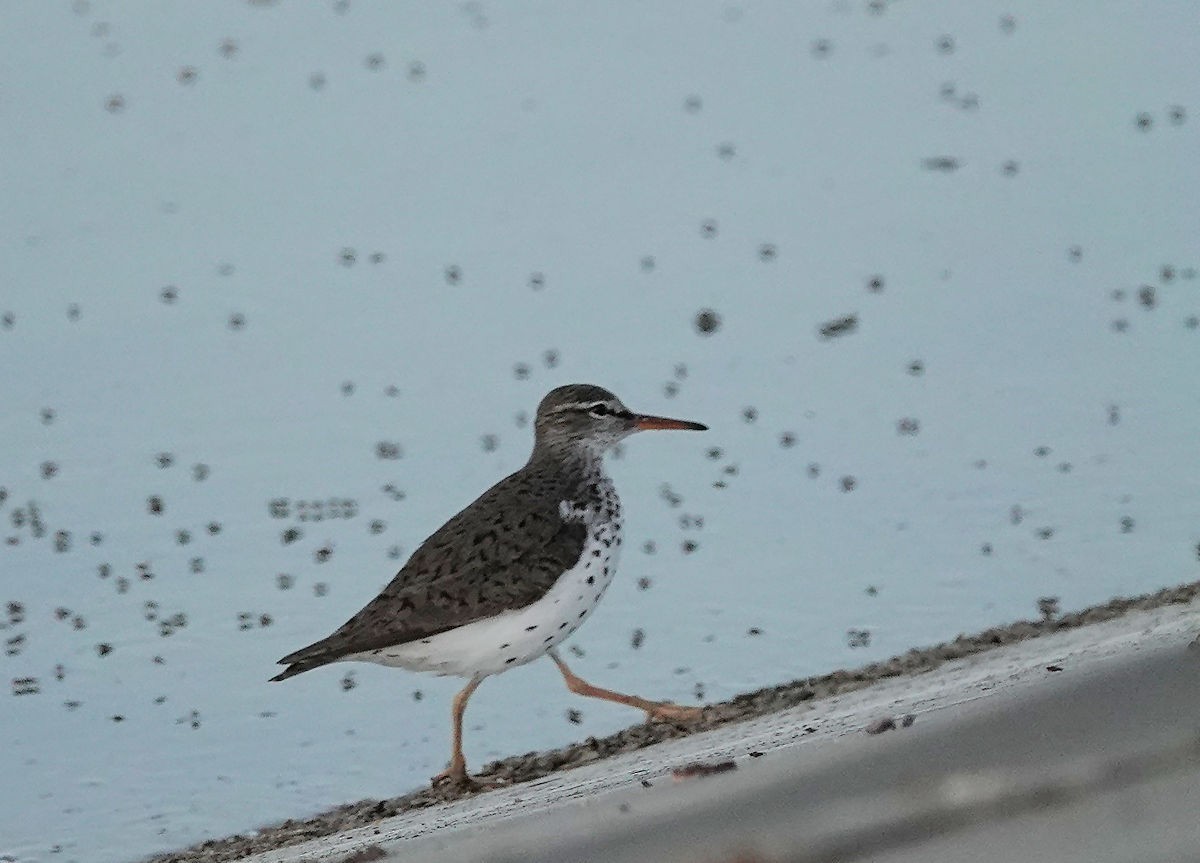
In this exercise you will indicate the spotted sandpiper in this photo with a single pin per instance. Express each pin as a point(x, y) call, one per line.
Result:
point(514, 574)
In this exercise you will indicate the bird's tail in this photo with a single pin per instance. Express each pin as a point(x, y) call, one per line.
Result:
point(306, 659)
point(298, 668)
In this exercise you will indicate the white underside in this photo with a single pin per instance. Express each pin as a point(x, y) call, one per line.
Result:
point(499, 643)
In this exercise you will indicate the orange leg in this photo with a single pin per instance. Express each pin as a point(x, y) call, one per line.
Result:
point(456, 773)
point(654, 709)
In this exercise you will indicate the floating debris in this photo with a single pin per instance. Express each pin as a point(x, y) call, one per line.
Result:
point(858, 638)
point(707, 322)
point(836, 327)
point(668, 494)
point(945, 164)
point(26, 686)
point(388, 450)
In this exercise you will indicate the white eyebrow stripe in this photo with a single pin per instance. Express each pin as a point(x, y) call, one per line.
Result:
point(585, 406)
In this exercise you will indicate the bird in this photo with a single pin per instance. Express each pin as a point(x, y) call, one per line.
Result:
point(514, 574)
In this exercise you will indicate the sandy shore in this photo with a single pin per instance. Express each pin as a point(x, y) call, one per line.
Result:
point(1018, 715)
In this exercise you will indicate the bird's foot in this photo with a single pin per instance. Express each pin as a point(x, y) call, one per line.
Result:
point(674, 713)
point(460, 780)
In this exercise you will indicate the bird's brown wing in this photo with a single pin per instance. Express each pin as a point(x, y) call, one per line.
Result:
point(503, 552)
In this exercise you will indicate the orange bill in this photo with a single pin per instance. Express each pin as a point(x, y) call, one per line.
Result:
point(648, 423)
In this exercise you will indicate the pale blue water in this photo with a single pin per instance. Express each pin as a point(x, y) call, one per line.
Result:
point(587, 143)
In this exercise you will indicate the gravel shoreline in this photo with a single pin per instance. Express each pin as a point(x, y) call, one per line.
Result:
point(534, 765)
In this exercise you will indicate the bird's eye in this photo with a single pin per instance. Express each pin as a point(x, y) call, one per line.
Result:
point(599, 410)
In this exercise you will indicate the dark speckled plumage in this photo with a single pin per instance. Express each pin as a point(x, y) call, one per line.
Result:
point(505, 550)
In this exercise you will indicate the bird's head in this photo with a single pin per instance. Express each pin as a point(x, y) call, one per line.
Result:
point(590, 417)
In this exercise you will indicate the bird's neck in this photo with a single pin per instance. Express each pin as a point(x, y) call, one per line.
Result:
point(572, 458)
